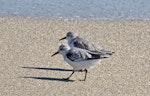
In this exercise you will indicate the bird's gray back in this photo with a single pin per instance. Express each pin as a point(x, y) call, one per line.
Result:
point(80, 42)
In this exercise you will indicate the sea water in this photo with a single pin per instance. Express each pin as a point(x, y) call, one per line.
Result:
point(98, 9)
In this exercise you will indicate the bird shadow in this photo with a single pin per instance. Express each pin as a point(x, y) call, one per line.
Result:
point(53, 69)
point(48, 78)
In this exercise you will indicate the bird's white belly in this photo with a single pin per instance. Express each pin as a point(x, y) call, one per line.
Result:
point(82, 64)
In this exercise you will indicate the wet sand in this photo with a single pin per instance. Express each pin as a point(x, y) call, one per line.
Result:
point(27, 69)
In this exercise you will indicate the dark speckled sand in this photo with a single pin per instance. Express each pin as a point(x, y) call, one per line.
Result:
point(28, 70)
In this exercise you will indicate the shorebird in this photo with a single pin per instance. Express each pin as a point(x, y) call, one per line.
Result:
point(79, 59)
point(80, 42)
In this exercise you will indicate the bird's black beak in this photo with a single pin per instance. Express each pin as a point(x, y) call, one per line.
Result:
point(54, 54)
point(62, 38)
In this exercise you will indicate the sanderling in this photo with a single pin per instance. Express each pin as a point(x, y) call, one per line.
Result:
point(79, 59)
point(80, 42)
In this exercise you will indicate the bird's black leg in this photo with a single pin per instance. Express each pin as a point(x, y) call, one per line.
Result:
point(70, 75)
point(85, 75)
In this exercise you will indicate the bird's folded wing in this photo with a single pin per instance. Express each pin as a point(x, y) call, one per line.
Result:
point(83, 43)
point(81, 55)
point(79, 42)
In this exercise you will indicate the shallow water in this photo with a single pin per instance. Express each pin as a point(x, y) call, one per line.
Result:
point(98, 9)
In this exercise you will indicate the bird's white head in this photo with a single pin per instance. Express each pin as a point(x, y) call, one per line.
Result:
point(62, 49)
point(69, 36)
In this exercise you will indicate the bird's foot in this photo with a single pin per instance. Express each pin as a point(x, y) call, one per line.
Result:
point(81, 79)
point(65, 78)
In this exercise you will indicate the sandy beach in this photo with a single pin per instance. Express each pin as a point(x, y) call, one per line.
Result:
point(27, 68)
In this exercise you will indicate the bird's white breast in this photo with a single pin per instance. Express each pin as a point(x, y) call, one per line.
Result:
point(82, 64)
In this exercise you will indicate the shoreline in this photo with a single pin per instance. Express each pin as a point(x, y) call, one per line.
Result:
point(77, 18)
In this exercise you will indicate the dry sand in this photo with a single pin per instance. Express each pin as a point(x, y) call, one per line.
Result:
point(27, 69)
